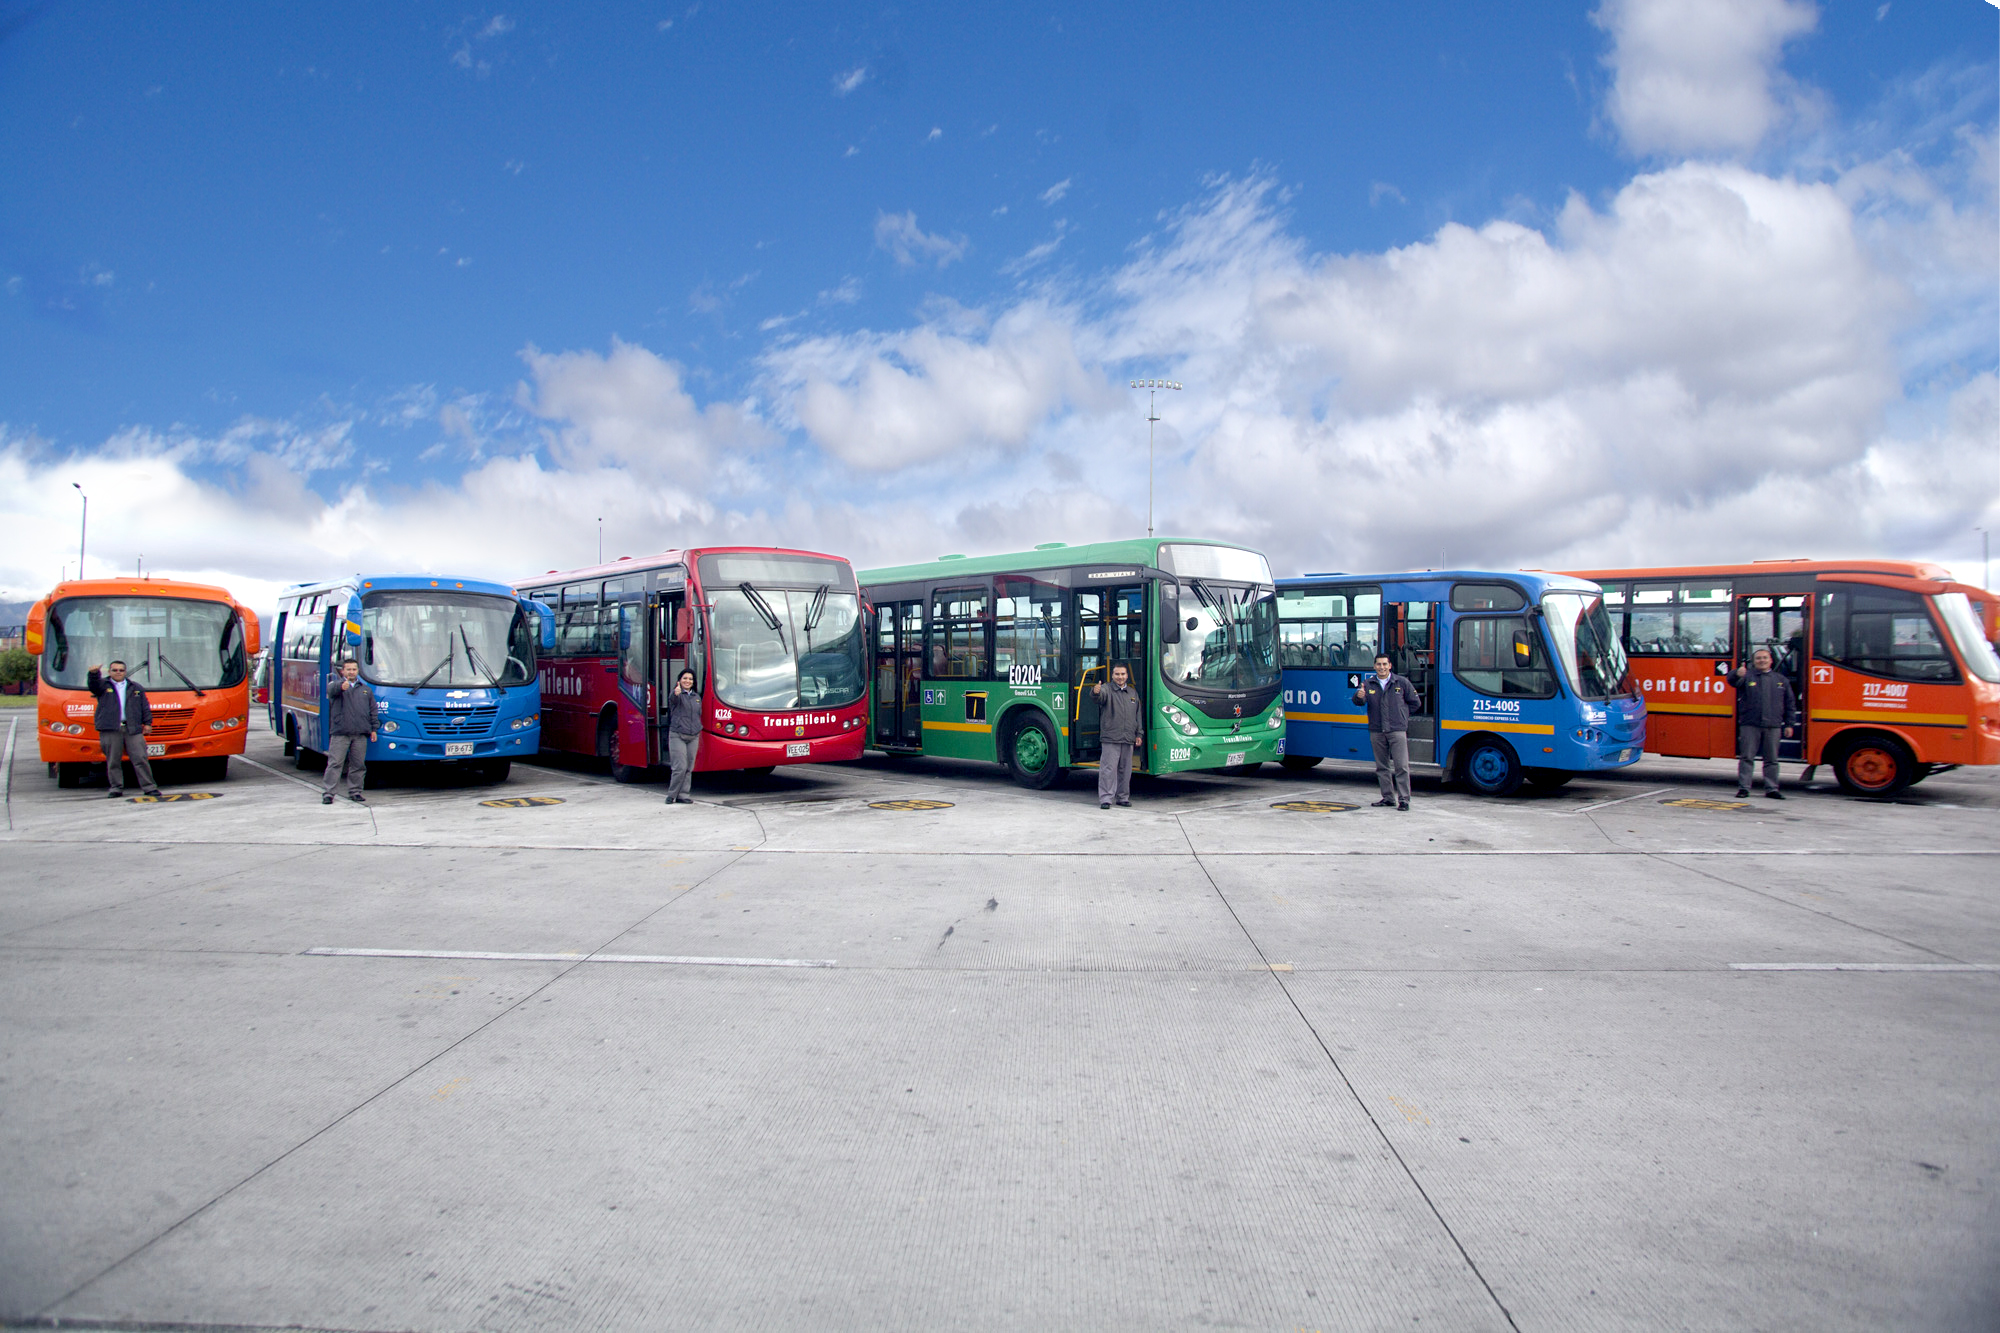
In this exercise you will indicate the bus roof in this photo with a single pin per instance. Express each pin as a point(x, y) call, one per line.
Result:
point(1914, 570)
point(627, 564)
point(1051, 555)
point(1533, 581)
point(397, 582)
point(143, 587)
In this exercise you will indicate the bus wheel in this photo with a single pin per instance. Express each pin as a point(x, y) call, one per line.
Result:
point(1549, 779)
point(1875, 766)
point(761, 772)
point(1031, 753)
point(291, 738)
point(70, 775)
point(1299, 763)
point(1490, 768)
point(496, 770)
point(607, 750)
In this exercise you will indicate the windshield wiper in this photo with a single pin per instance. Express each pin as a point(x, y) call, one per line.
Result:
point(817, 608)
point(199, 692)
point(472, 656)
point(1207, 599)
point(763, 609)
point(449, 653)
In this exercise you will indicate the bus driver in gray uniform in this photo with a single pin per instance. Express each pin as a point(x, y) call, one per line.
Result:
point(350, 725)
point(1390, 699)
point(1118, 732)
point(683, 737)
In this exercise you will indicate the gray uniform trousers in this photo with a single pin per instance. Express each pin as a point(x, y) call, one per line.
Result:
point(1114, 772)
point(346, 756)
point(1392, 763)
point(681, 751)
point(1748, 741)
point(122, 744)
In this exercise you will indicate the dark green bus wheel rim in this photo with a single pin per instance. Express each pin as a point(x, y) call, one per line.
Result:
point(1031, 749)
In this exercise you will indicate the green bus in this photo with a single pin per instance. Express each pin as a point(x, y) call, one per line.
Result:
point(993, 658)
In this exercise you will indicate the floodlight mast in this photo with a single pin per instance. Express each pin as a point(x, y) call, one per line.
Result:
point(1152, 388)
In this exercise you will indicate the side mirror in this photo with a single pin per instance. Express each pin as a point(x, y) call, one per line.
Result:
point(1170, 613)
point(253, 632)
point(625, 627)
point(38, 619)
point(1524, 648)
point(683, 624)
point(547, 621)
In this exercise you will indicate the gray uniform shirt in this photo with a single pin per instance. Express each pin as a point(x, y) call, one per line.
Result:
point(1119, 722)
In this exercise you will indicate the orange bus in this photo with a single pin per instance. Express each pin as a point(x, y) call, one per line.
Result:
point(1894, 674)
point(189, 644)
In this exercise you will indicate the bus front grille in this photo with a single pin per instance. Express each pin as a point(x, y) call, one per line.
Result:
point(457, 723)
point(164, 728)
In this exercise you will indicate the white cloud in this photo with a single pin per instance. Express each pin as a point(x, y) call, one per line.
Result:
point(899, 234)
point(629, 410)
point(498, 26)
point(1700, 76)
point(843, 84)
point(1056, 192)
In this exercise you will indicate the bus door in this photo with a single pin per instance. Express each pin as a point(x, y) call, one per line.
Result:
point(674, 629)
point(1409, 629)
point(1777, 621)
point(899, 674)
point(1110, 631)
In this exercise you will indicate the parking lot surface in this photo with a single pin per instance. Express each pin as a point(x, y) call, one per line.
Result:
point(899, 1045)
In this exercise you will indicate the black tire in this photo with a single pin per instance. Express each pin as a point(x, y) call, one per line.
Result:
point(760, 772)
point(1299, 763)
point(1549, 779)
point(1874, 764)
point(496, 770)
point(607, 750)
point(1248, 767)
point(291, 738)
point(70, 775)
point(1488, 766)
point(1029, 738)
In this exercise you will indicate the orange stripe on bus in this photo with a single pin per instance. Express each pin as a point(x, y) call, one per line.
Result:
point(1889, 715)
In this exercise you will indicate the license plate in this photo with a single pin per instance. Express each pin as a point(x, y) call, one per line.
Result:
point(1231, 761)
point(155, 751)
point(457, 747)
point(798, 749)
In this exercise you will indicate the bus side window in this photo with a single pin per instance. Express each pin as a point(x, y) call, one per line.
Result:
point(961, 619)
point(1483, 657)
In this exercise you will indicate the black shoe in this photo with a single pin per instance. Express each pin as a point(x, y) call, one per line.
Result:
point(685, 800)
point(1775, 795)
point(1124, 803)
point(1402, 805)
point(326, 798)
point(114, 793)
point(355, 797)
point(153, 792)
point(1385, 803)
point(1104, 805)
point(1742, 793)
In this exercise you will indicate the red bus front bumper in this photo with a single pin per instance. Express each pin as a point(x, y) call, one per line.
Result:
point(731, 752)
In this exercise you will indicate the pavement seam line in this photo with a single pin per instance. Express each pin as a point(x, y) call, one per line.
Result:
point(142, 898)
point(13, 725)
point(1829, 916)
point(371, 1098)
point(1347, 1082)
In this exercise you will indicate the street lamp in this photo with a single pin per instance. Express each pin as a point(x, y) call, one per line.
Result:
point(83, 534)
point(1152, 388)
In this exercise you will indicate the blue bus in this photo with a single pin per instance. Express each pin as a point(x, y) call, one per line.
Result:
point(451, 663)
point(1522, 675)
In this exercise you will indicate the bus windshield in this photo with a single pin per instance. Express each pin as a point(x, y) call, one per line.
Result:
point(775, 649)
point(1979, 657)
point(165, 643)
point(1592, 657)
point(1233, 644)
point(420, 636)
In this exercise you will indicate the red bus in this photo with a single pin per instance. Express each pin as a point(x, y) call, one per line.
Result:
point(187, 643)
point(774, 638)
point(1894, 674)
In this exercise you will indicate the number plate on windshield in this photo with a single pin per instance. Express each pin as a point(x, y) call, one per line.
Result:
point(1231, 761)
point(155, 751)
point(457, 747)
point(798, 749)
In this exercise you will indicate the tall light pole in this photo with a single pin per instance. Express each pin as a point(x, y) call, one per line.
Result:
point(83, 534)
point(1152, 388)
point(600, 541)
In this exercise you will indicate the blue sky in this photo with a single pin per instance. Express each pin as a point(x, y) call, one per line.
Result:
point(442, 286)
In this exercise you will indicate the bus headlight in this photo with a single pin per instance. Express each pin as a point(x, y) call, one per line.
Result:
point(56, 727)
point(1180, 720)
point(392, 725)
point(75, 728)
point(1277, 718)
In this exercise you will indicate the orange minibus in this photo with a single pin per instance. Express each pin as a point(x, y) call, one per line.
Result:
point(189, 644)
point(1895, 677)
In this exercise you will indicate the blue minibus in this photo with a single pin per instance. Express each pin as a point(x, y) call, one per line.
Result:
point(451, 662)
point(1522, 675)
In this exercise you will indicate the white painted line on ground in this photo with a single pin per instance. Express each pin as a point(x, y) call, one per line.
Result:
point(570, 957)
point(1864, 967)
point(289, 777)
point(1620, 801)
point(13, 725)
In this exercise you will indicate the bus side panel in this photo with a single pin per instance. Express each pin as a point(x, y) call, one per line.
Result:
point(956, 725)
point(1321, 718)
point(1938, 721)
point(1690, 708)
